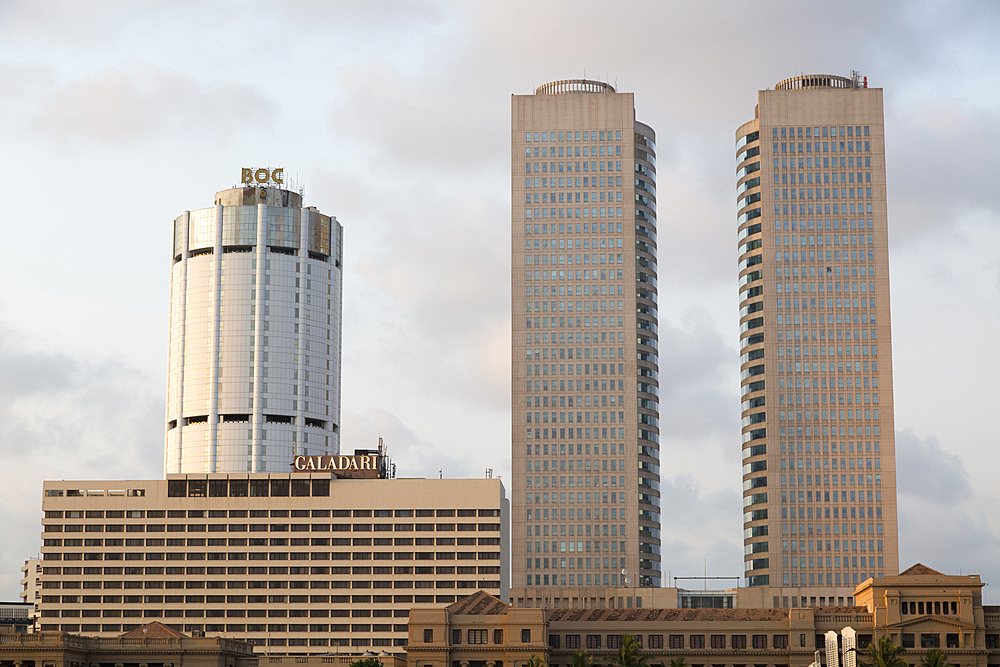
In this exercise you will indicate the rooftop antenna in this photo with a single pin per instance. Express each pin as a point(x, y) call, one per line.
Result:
point(440, 473)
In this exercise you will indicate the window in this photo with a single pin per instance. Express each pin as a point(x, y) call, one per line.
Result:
point(718, 641)
point(951, 640)
point(739, 641)
point(456, 636)
point(929, 640)
point(760, 641)
point(554, 641)
point(498, 636)
point(428, 635)
point(477, 636)
point(697, 641)
point(614, 641)
point(573, 641)
point(593, 641)
point(525, 635)
point(676, 641)
point(780, 641)
point(992, 641)
point(907, 640)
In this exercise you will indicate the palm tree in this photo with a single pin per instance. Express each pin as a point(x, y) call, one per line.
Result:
point(582, 659)
point(884, 653)
point(535, 661)
point(679, 662)
point(628, 654)
point(935, 658)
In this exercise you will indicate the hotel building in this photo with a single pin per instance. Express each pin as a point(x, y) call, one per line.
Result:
point(255, 315)
point(294, 562)
point(585, 441)
point(819, 474)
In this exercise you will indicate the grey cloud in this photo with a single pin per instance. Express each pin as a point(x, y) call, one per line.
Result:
point(63, 417)
point(413, 455)
point(445, 323)
point(402, 119)
point(930, 473)
point(140, 101)
point(950, 539)
point(698, 376)
point(699, 529)
point(951, 138)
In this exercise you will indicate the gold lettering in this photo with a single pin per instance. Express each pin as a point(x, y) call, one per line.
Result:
point(278, 176)
point(366, 463)
point(311, 463)
point(262, 175)
point(299, 460)
point(247, 175)
point(343, 463)
point(354, 462)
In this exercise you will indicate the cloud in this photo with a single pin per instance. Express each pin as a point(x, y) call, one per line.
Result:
point(699, 375)
point(137, 102)
point(950, 157)
point(931, 474)
point(67, 418)
point(700, 530)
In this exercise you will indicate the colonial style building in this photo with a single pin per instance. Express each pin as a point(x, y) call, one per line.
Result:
point(919, 609)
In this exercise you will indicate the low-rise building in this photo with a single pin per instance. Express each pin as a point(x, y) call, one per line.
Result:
point(298, 562)
point(154, 645)
point(918, 609)
point(31, 588)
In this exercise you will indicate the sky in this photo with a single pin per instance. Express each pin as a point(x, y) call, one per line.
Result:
point(394, 116)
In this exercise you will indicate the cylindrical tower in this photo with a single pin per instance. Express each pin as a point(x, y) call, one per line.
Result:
point(255, 334)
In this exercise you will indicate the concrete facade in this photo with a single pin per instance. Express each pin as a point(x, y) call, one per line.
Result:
point(819, 473)
point(919, 609)
point(293, 562)
point(255, 334)
point(153, 645)
point(585, 441)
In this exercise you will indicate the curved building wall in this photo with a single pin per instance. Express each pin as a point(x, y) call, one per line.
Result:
point(255, 334)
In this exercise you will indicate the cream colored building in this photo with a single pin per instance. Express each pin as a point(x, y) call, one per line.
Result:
point(152, 645)
point(819, 472)
point(31, 587)
point(254, 362)
point(585, 441)
point(919, 609)
point(292, 562)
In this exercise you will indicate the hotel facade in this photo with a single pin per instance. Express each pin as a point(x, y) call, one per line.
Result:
point(819, 474)
point(295, 562)
point(585, 411)
point(255, 332)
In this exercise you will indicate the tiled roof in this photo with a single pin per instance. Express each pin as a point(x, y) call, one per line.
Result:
point(639, 615)
point(920, 569)
point(154, 629)
point(479, 604)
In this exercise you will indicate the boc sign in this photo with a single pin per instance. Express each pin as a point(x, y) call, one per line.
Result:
point(261, 176)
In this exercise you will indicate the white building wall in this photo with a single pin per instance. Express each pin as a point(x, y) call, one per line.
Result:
point(254, 351)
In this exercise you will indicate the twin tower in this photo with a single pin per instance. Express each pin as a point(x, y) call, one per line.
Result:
point(255, 332)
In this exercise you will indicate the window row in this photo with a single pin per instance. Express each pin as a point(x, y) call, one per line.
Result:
point(272, 528)
point(585, 182)
point(814, 131)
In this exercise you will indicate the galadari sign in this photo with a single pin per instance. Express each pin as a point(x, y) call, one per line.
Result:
point(354, 466)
